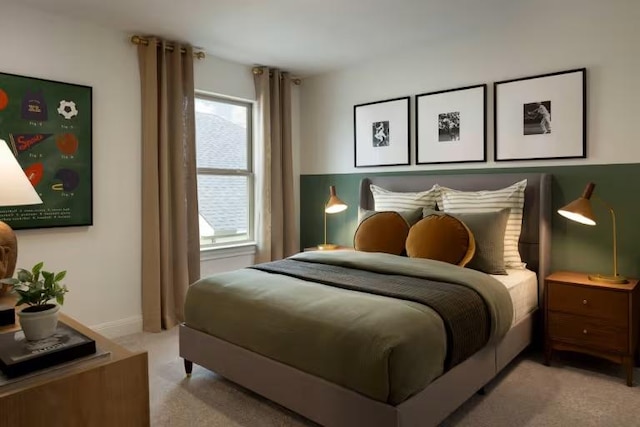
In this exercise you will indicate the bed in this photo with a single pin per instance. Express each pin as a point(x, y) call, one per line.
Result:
point(331, 404)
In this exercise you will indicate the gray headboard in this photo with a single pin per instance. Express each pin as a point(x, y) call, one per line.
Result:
point(535, 239)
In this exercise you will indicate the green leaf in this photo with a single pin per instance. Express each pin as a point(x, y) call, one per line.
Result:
point(60, 299)
point(24, 275)
point(36, 268)
point(48, 279)
point(60, 276)
point(10, 281)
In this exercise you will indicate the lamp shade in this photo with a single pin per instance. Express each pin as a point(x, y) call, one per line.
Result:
point(580, 209)
point(15, 187)
point(334, 204)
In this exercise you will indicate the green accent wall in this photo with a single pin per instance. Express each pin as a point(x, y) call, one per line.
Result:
point(574, 246)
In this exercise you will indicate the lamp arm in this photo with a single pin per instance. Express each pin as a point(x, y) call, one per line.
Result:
point(615, 234)
point(325, 227)
point(615, 243)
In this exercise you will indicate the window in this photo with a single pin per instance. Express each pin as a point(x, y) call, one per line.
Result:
point(225, 177)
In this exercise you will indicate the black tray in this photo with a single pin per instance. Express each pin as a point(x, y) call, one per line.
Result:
point(19, 356)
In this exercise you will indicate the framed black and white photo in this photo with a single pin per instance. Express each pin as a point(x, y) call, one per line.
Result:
point(451, 126)
point(541, 117)
point(381, 133)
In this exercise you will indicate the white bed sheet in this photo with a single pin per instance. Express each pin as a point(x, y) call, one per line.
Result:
point(523, 289)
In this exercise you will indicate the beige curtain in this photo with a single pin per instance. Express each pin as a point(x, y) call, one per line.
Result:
point(170, 237)
point(275, 212)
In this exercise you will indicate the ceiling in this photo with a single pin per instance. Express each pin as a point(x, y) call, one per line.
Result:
point(304, 36)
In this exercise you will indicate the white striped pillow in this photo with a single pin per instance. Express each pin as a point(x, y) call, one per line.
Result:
point(385, 200)
point(487, 201)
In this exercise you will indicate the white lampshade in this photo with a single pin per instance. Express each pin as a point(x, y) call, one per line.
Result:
point(15, 187)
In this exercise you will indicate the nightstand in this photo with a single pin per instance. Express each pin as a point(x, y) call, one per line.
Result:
point(599, 319)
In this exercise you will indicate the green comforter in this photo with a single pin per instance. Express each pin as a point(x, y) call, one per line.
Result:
point(384, 348)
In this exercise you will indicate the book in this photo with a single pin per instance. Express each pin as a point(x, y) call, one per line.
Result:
point(94, 358)
point(19, 356)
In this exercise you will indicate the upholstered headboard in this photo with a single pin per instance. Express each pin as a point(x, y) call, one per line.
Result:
point(535, 238)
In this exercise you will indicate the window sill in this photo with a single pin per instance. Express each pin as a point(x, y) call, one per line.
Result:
point(221, 252)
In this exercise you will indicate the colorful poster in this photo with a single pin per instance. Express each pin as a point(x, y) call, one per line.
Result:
point(47, 125)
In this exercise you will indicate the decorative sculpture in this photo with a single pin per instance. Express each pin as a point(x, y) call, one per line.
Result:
point(8, 253)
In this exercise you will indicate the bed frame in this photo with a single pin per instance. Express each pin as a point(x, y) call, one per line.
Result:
point(332, 405)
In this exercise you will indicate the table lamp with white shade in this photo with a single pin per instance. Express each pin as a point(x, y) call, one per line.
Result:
point(15, 190)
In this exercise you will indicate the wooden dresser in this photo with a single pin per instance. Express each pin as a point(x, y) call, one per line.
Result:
point(599, 319)
point(106, 392)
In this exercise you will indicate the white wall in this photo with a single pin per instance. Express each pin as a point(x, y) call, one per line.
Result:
point(536, 38)
point(225, 78)
point(228, 259)
point(103, 261)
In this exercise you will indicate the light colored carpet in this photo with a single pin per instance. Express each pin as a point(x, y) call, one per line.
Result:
point(576, 391)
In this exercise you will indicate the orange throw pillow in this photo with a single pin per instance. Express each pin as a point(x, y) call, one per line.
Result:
point(443, 238)
point(382, 232)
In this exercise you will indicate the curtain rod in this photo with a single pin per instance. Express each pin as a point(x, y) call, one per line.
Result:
point(143, 41)
point(258, 71)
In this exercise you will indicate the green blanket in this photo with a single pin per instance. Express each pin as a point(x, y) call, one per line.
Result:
point(385, 348)
point(463, 311)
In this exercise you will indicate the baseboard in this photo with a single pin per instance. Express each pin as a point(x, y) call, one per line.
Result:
point(119, 328)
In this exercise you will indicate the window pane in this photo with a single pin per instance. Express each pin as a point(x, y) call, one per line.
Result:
point(221, 134)
point(223, 202)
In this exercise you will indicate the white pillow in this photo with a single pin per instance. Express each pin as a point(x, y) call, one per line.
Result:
point(385, 200)
point(488, 201)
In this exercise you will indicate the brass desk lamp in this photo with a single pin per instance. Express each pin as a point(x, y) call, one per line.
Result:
point(333, 205)
point(580, 211)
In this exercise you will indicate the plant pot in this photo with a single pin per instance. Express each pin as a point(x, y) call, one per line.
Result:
point(39, 322)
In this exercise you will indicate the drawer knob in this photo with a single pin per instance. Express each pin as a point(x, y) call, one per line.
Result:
point(584, 301)
point(584, 331)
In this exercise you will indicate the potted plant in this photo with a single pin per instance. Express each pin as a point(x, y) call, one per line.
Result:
point(36, 288)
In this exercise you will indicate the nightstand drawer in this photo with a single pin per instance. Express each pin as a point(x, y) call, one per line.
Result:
point(600, 303)
point(588, 332)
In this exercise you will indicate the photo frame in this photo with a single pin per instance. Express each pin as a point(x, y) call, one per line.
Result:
point(451, 126)
point(541, 117)
point(48, 126)
point(381, 133)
